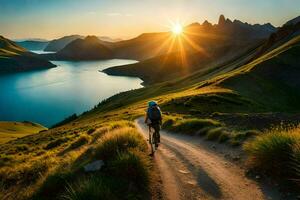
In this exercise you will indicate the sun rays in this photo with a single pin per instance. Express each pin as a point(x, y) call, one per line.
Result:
point(179, 44)
point(177, 29)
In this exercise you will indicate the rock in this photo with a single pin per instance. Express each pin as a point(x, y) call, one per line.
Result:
point(94, 166)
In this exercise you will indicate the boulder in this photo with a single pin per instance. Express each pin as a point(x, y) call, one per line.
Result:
point(94, 166)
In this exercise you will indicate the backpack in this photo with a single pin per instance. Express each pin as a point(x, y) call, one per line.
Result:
point(154, 114)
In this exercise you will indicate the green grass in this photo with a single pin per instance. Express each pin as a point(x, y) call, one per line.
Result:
point(276, 153)
point(188, 125)
point(89, 188)
point(82, 140)
point(55, 143)
point(12, 130)
point(215, 134)
point(120, 141)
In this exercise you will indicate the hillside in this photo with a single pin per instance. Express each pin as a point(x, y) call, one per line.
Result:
point(232, 103)
point(14, 58)
point(274, 76)
point(58, 44)
point(13, 130)
point(32, 45)
point(89, 48)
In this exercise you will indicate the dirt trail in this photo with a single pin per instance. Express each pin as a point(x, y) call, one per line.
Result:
point(191, 172)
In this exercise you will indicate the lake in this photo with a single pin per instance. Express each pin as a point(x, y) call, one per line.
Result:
point(49, 96)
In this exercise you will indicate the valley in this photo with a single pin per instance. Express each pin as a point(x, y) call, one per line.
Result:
point(229, 96)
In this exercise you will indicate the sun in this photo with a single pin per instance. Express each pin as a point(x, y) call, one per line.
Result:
point(177, 29)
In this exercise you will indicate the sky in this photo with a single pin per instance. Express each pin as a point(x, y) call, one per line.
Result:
point(49, 19)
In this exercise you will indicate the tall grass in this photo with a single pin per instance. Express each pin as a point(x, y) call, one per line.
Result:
point(125, 173)
point(133, 166)
point(50, 165)
point(276, 153)
point(89, 188)
point(190, 125)
point(296, 162)
point(118, 141)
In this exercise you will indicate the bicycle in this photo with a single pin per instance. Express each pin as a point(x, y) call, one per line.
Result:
point(152, 141)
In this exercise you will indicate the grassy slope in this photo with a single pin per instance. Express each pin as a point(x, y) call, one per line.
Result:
point(12, 130)
point(272, 76)
point(43, 165)
point(9, 49)
point(14, 58)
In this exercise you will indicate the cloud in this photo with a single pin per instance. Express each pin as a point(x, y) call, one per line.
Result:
point(114, 14)
point(128, 15)
point(91, 13)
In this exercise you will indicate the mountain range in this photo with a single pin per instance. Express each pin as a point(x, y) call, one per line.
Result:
point(89, 48)
point(58, 44)
point(222, 39)
point(163, 52)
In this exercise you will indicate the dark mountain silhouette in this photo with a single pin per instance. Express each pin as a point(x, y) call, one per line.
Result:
point(294, 21)
point(89, 48)
point(58, 44)
point(14, 58)
point(33, 45)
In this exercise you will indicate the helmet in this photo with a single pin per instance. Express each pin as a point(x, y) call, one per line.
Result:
point(152, 103)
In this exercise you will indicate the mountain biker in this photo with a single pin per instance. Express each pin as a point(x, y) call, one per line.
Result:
point(154, 119)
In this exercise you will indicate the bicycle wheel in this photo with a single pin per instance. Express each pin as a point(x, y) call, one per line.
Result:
point(152, 142)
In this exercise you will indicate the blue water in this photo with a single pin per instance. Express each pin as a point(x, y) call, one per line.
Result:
point(50, 95)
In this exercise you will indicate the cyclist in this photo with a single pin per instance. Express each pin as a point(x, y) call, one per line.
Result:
point(154, 119)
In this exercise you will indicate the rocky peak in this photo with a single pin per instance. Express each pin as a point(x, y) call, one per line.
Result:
point(228, 21)
point(91, 38)
point(206, 24)
point(222, 20)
